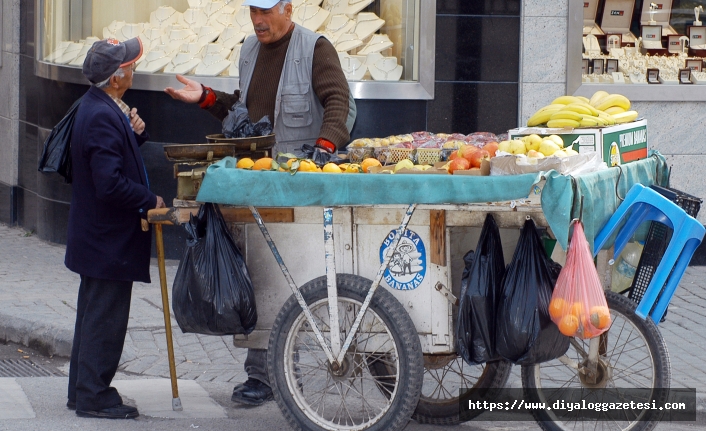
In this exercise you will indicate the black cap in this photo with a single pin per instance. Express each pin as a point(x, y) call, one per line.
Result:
point(108, 55)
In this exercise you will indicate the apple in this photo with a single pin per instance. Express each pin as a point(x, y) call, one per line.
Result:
point(477, 157)
point(548, 147)
point(454, 155)
point(557, 140)
point(517, 147)
point(459, 164)
point(491, 148)
point(535, 154)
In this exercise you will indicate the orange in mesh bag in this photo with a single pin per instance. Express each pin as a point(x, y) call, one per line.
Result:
point(578, 306)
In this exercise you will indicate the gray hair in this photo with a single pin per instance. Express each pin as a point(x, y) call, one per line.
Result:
point(282, 4)
point(120, 73)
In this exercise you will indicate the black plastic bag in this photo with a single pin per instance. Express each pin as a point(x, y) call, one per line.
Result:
point(318, 155)
point(56, 156)
point(237, 123)
point(480, 289)
point(212, 291)
point(525, 333)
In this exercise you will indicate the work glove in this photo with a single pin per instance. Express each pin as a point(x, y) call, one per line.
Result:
point(323, 152)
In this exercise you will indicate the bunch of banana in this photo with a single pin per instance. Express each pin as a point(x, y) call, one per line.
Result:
point(603, 109)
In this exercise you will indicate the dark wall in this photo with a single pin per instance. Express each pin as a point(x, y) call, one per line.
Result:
point(477, 68)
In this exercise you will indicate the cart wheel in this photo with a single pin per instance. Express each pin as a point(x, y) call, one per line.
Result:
point(314, 397)
point(632, 355)
point(445, 375)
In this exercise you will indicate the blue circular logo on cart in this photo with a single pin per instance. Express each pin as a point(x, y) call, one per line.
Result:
point(408, 264)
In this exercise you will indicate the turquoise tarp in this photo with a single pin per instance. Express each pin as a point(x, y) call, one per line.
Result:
point(224, 184)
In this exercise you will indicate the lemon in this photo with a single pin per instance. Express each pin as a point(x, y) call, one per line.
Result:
point(331, 168)
point(354, 168)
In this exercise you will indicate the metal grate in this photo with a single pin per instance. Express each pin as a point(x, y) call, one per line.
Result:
point(25, 368)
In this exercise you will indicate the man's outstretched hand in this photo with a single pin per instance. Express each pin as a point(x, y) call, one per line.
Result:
point(190, 93)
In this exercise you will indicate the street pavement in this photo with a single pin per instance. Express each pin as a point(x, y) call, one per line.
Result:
point(37, 309)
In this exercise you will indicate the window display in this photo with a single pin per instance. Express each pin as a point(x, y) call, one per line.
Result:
point(643, 42)
point(377, 40)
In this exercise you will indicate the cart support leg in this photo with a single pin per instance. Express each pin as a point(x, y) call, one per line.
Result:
point(176, 402)
point(295, 290)
point(383, 266)
point(331, 286)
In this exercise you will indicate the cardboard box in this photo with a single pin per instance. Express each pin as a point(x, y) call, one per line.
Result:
point(630, 138)
point(389, 169)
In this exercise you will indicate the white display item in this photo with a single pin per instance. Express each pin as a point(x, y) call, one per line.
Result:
point(241, 20)
point(212, 65)
point(87, 44)
point(697, 10)
point(235, 4)
point(698, 78)
point(372, 58)
point(151, 37)
point(154, 61)
point(658, 16)
point(216, 49)
point(386, 69)
point(617, 15)
point(367, 23)
point(224, 20)
point(591, 46)
point(297, 3)
point(193, 48)
point(338, 25)
point(310, 17)
point(336, 6)
point(235, 53)
point(58, 52)
point(355, 6)
point(194, 18)
point(176, 38)
point(652, 37)
point(164, 16)
point(182, 64)
point(198, 3)
point(590, 9)
point(214, 11)
point(377, 43)
point(128, 31)
point(230, 37)
point(697, 37)
point(112, 29)
point(347, 42)
point(71, 52)
point(353, 67)
point(208, 34)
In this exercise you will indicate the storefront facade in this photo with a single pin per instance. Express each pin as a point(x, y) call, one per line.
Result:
point(491, 68)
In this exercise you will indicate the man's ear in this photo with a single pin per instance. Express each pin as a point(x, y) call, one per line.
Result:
point(288, 10)
point(114, 81)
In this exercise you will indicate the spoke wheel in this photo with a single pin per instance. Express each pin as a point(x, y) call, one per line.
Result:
point(445, 376)
point(632, 355)
point(312, 394)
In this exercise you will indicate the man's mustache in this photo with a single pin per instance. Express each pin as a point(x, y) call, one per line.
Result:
point(261, 28)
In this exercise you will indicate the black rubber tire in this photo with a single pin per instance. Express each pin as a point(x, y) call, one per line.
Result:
point(430, 411)
point(619, 305)
point(397, 321)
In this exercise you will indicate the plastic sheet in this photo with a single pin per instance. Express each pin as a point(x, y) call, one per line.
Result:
point(56, 156)
point(481, 287)
point(578, 306)
point(212, 292)
point(237, 123)
point(525, 333)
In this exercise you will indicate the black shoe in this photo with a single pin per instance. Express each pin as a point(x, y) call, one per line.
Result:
point(120, 411)
point(252, 392)
point(71, 405)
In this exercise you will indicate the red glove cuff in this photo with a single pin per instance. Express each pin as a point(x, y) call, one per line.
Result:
point(326, 145)
point(208, 97)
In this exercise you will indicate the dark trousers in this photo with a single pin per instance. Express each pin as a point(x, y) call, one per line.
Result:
point(256, 365)
point(102, 312)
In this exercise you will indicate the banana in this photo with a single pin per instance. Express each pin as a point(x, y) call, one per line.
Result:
point(614, 110)
point(625, 117)
point(579, 108)
point(566, 115)
point(589, 122)
point(541, 117)
point(613, 100)
point(609, 119)
point(597, 97)
point(552, 106)
point(563, 123)
point(583, 99)
point(565, 100)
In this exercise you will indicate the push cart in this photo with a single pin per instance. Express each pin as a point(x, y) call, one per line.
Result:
point(363, 338)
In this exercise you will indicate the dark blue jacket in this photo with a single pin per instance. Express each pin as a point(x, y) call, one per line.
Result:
point(109, 194)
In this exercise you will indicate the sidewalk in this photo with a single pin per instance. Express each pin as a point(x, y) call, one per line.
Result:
point(37, 308)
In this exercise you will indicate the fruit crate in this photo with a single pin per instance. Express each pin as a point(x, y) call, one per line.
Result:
point(398, 154)
point(382, 154)
point(428, 156)
point(358, 154)
point(656, 243)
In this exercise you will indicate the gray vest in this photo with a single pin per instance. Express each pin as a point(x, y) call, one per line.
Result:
point(298, 111)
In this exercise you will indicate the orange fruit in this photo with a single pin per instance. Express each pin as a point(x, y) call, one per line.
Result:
point(307, 166)
point(331, 168)
point(245, 163)
point(557, 308)
point(577, 309)
point(369, 163)
point(263, 164)
point(289, 163)
point(600, 317)
point(568, 325)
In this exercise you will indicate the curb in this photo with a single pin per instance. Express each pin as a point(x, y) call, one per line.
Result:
point(47, 339)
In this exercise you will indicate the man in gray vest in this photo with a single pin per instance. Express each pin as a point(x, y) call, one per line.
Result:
point(294, 76)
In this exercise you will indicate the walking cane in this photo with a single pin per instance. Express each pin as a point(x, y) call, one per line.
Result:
point(176, 402)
